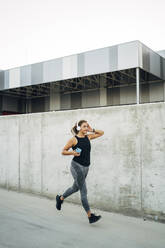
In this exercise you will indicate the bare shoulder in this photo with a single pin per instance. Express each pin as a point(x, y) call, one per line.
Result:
point(74, 140)
point(70, 143)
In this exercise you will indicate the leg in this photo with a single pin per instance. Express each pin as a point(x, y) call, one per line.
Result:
point(82, 174)
point(84, 200)
point(79, 174)
point(74, 187)
point(70, 191)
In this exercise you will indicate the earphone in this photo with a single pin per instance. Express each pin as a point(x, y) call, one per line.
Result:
point(78, 127)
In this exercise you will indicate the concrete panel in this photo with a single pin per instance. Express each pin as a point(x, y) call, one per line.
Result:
point(128, 55)
point(52, 70)
point(37, 73)
point(9, 152)
point(14, 78)
point(25, 75)
point(153, 157)
point(122, 191)
point(3, 152)
point(52, 159)
point(69, 66)
point(30, 152)
point(97, 61)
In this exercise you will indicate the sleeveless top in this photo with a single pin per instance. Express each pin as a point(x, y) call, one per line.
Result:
point(85, 145)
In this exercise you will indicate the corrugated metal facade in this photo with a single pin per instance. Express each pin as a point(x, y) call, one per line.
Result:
point(115, 58)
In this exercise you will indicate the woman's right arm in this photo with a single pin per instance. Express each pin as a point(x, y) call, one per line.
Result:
point(66, 148)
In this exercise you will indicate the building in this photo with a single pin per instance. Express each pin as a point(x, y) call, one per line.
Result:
point(128, 73)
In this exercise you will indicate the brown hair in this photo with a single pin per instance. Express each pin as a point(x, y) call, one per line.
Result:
point(74, 129)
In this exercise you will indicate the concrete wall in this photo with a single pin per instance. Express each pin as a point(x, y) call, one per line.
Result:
point(127, 163)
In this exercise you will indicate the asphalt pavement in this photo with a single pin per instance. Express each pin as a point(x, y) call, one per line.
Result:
point(32, 221)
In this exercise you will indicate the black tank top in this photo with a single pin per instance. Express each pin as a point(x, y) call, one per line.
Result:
point(85, 145)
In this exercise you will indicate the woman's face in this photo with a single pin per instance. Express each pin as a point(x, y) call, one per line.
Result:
point(84, 127)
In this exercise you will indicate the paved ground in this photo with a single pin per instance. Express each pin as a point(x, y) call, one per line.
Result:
point(28, 221)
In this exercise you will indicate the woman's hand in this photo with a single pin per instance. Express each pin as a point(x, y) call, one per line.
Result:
point(89, 128)
point(76, 153)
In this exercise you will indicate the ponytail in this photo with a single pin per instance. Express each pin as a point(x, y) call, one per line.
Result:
point(74, 130)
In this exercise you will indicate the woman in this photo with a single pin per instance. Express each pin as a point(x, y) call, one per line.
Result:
point(80, 164)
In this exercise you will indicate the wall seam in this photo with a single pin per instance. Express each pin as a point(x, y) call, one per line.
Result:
point(19, 177)
point(141, 171)
point(41, 154)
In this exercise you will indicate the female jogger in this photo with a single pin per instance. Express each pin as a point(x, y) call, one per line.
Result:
point(80, 163)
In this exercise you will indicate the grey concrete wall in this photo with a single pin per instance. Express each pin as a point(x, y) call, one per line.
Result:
point(127, 163)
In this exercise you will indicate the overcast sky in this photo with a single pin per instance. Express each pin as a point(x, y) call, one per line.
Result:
point(37, 30)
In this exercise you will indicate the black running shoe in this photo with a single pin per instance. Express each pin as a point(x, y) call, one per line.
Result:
point(94, 218)
point(58, 202)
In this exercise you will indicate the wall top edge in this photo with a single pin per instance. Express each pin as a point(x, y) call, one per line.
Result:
point(84, 109)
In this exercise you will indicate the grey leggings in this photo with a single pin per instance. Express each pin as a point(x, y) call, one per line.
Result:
point(79, 173)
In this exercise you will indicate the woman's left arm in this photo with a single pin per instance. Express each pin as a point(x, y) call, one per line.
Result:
point(96, 133)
